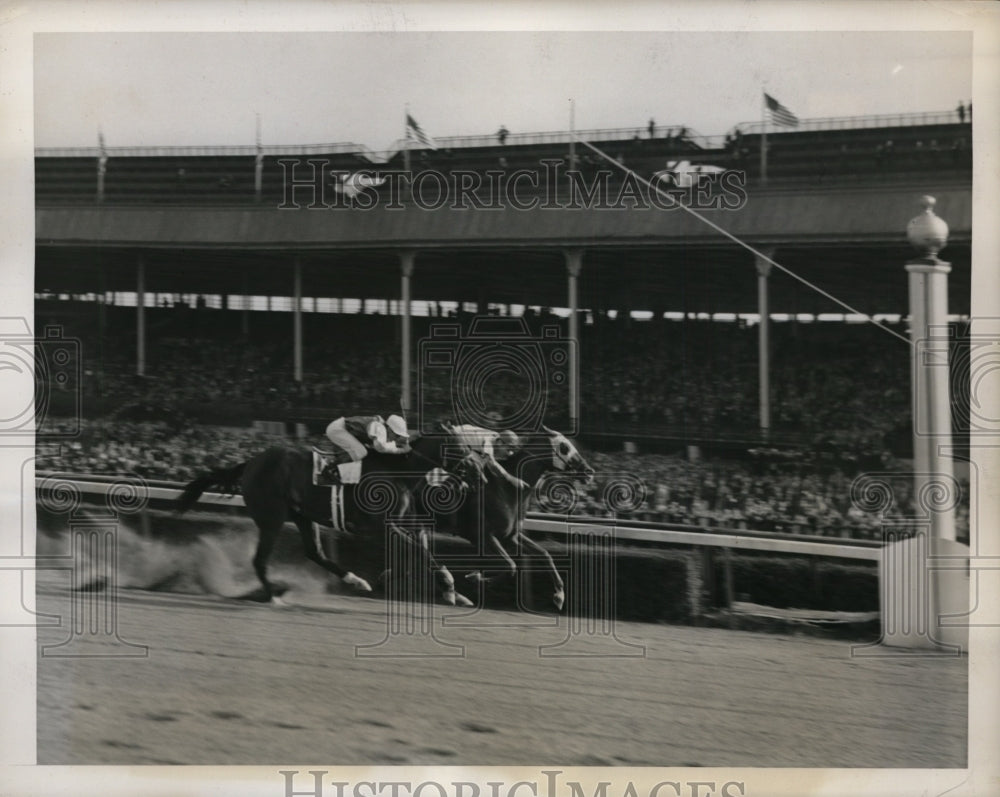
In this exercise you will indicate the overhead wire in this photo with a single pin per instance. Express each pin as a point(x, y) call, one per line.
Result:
point(704, 220)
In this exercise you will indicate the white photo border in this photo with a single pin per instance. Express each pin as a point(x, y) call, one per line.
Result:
point(19, 24)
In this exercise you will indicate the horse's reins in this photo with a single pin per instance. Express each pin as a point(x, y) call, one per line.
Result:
point(431, 462)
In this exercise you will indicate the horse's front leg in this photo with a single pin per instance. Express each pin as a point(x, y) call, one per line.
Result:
point(426, 563)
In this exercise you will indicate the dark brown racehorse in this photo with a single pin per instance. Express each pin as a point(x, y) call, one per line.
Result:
point(277, 487)
point(491, 514)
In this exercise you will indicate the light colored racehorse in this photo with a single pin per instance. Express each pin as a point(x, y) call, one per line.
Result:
point(491, 514)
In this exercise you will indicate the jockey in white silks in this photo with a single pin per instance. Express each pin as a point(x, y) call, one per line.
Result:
point(493, 446)
point(359, 434)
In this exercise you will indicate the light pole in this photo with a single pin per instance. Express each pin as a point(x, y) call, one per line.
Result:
point(923, 571)
point(928, 233)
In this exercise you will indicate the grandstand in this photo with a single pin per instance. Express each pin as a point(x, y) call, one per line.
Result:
point(255, 313)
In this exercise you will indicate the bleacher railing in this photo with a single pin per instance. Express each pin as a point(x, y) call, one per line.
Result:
point(565, 136)
point(856, 122)
point(511, 139)
point(223, 151)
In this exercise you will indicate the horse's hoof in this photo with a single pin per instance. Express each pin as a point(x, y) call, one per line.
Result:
point(559, 599)
point(359, 584)
point(277, 601)
point(461, 600)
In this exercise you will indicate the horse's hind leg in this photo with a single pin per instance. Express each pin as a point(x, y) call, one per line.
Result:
point(498, 547)
point(510, 570)
point(446, 581)
point(265, 545)
point(309, 532)
point(559, 595)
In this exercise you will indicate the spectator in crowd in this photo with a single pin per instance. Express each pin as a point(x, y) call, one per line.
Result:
point(961, 112)
point(502, 134)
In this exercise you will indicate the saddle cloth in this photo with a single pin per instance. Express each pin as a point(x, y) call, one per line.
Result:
point(332, 465)
point(338, 521)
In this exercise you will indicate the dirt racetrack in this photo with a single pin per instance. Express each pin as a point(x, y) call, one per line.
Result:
point(233, 682)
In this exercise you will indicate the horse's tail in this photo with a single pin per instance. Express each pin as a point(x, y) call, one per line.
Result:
point(226, 478)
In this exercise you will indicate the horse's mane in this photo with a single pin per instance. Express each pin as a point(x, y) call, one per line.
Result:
point(532, 443)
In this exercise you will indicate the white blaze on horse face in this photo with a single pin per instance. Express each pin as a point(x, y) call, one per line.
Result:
point(563, 451)
point(437, 476)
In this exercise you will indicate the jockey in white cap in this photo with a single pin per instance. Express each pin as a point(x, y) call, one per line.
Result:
point(358, 433)
point(494, 446)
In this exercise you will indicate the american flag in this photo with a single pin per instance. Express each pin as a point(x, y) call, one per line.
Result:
point(418, 133)
point(780, 115)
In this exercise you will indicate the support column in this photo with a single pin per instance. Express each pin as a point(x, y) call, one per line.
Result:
point(406, 262)
point(102, 316)
point(764, 340)
point(140, 317)
point(102, 323)
point(258, 176)
point(102, 170)
point(245, 313)
point(574, 265)
point(297, 319)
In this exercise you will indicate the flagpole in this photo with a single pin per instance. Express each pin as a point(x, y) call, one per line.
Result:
point(406, 148)
point(572, 133)
point(763, 138)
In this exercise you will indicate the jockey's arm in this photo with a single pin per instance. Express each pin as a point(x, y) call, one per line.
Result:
point(500, 469)
point(380, 441)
